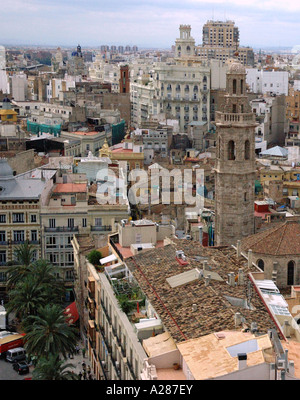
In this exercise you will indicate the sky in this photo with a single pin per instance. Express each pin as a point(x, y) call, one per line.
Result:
point(145, 23)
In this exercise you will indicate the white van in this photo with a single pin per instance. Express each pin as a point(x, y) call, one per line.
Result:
point(15, 355)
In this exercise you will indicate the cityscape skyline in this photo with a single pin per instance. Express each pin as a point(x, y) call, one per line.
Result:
point(148, 24)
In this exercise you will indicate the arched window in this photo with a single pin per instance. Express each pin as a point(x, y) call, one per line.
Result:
point(188, 49)
point(234, 86)
point(179, 48)
point(204, 79)
point(231, 150)
point(247, 150)
point(261, 264)
point(242, 86)
point(290, 273)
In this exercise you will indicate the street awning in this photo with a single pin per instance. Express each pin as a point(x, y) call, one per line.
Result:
point(71, 313)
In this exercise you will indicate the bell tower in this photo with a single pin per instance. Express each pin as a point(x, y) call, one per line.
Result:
point(235, 162)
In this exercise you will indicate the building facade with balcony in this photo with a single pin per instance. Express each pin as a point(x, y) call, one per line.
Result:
point(21, 198)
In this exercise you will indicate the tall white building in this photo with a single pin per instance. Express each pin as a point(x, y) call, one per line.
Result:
point(268, 82)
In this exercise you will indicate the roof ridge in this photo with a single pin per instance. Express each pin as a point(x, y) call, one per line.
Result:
point(272, 230)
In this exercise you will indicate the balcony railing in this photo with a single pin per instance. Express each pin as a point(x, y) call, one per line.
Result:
point(62, 229)
point(103, 228)
point(234, 117)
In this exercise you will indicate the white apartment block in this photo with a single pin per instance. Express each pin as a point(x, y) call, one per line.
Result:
point(182, 92)
point(104, 72)
point(268, 82)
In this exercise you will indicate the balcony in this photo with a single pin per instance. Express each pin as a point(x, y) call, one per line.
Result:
point(103, 228)
point(62, 229)
point(229, 118)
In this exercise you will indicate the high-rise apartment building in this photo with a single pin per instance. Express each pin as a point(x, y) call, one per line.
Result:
point(220, 34)
point(221, 41)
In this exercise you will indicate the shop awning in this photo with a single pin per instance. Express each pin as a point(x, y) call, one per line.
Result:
point(71, 313)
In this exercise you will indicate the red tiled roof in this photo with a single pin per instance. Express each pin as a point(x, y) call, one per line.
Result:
point(70, 188)
point(281, 240)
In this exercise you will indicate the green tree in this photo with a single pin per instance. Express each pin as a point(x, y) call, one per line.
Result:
point(50, 334)
point(45, 275)
point(53, 369)
point(23, 255)
point(26, 297)
point(94, 257)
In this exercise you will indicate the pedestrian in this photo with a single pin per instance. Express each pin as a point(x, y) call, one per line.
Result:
point(77, 349)
point(83, 365)
point(84, 374)
point(83, 352)
point(90, 377)
point(80, 375)
point(88, 369)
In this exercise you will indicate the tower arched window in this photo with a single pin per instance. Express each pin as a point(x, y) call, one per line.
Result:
point(290, 273)
point(242, 86)
point(261, 264)
point(247, 150)
point(188, 49)
point(231, 150)
point(234, 86)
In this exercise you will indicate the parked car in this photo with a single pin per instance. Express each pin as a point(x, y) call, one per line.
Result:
point(21, 367)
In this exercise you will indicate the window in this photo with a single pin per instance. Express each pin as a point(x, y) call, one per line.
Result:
point(51, 223)
point(261, 264)
point(98, 221)
point(234, 86)
point(33, 218)
point(290, 273)
point(2, 257)
point(2, 218)
point(247, 150)
point(18, 236)
point(84, 222)
point(70, 222)
point(18, 218)
point(2, 236)
point(231, 150)
point(34, 236)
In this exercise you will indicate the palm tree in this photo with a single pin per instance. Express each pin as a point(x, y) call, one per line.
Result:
point(26, 298)
point(24, 255)
point(53, 369)
point(44, 274)
point(50, 334)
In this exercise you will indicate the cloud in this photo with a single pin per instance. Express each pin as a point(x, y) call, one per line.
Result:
point(144, 22)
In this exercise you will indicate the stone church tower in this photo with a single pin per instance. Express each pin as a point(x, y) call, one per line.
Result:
point(235, 162)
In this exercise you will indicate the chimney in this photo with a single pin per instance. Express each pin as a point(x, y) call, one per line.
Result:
point(287, 329)
point(242, 360)
point(201, 234)
point(231, 280)
point(274, 273)
point(207, 279)
point(238, 249)
point(253, 328)
point(237, 319)
point(241, 276)
point(249, 258)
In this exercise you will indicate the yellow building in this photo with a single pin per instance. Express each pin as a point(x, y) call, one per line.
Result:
point(7, 114)
point(126, 151)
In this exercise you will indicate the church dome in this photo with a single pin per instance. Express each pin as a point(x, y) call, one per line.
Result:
point(6, 171)
point(236, 68)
